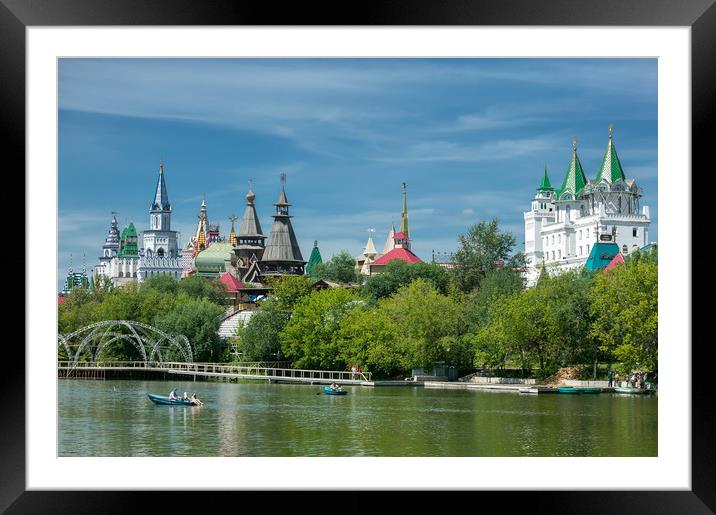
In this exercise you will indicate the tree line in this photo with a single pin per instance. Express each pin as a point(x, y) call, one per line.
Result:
point(477, 314)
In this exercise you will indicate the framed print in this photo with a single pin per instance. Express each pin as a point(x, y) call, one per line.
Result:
point(160, 139)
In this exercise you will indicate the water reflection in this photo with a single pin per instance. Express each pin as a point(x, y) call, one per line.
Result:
point(114, 418)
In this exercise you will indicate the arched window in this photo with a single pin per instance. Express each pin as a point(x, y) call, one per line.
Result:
point(625, 249)
point(160, 252)
point(121, 274)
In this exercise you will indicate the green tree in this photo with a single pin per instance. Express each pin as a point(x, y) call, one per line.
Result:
point(366, 339)
point(310, 337)
point(289, 290)
point(624, 304)
point(198, 287)
point(479, 250)
point(497, 283)
point(398, 274)
point(340, 268)
point(198, 320)
point(427, 325)
point(259, 339)
point(162, 283)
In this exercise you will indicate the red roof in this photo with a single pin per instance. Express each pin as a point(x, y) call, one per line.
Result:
point(400, 235)
point(401, 254)
point(231, 283)
point(618, 260)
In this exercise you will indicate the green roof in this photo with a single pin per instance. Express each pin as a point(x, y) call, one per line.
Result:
point(611, 169)
point(314, 259)
point(545, 184)
point(128, 242)
point(601, 255)
point(574, 180)
point(211, 261)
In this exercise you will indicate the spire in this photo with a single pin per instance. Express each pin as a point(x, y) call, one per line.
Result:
point(282, 201)
point(161, 198)
point(314, 259)
point(404, 214)
point(232, 234)
point(611, 169)
point(545, 184)
point(369, 250)
point(574, 180)
point(390, 241)
point(250, 225)
point(201, 236)
point(282, 245)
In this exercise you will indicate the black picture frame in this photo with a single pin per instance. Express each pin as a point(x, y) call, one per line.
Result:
point(16, 15)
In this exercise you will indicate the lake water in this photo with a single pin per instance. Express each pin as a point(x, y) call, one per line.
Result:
point(115, 418)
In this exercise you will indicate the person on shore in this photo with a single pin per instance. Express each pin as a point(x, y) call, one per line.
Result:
point(609, 379)
point(353, 372)
point(616, 379)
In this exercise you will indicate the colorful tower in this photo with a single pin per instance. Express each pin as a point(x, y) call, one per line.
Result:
point(232, 234)
point(201, 237)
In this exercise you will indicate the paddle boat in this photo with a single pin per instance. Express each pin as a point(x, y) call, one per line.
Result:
point(330, 391)
point(528, 389)
point(165, 400)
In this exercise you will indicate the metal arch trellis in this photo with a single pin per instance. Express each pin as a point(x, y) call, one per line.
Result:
point(148, 340)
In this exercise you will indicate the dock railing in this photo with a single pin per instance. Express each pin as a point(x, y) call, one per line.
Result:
point(227, 369)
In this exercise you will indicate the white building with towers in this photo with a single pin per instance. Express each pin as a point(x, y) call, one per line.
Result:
point(565, 223)
point(123, 260)
point(160, 254)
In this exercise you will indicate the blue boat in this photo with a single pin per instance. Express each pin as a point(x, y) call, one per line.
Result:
point(330, 391)
point(164, 399)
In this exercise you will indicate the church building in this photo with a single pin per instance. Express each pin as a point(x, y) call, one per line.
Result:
point(565, 223)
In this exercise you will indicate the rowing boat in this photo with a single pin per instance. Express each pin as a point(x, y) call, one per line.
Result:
point(165, 400)
point(632, 390)
point(330, 391)
point(576, 390)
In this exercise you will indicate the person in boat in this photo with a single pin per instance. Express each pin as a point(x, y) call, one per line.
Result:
point(186, 397)
point(334, 387)
point(172, 394)
point(195, 400)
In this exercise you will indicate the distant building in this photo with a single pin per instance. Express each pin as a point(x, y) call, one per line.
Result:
point(74, 280)
point(282, 255)
point(399, 249)
point(123, 261)
point(565, 224)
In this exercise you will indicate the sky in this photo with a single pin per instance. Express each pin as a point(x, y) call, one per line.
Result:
point(470, 137)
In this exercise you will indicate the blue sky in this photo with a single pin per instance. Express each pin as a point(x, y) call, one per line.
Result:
point(471, 138)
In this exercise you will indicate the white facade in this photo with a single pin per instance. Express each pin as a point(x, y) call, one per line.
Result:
point(562, 227)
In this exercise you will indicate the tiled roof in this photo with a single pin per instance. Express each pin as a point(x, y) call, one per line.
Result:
point(231, 284)
point(401, 254)
point(618, 260)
